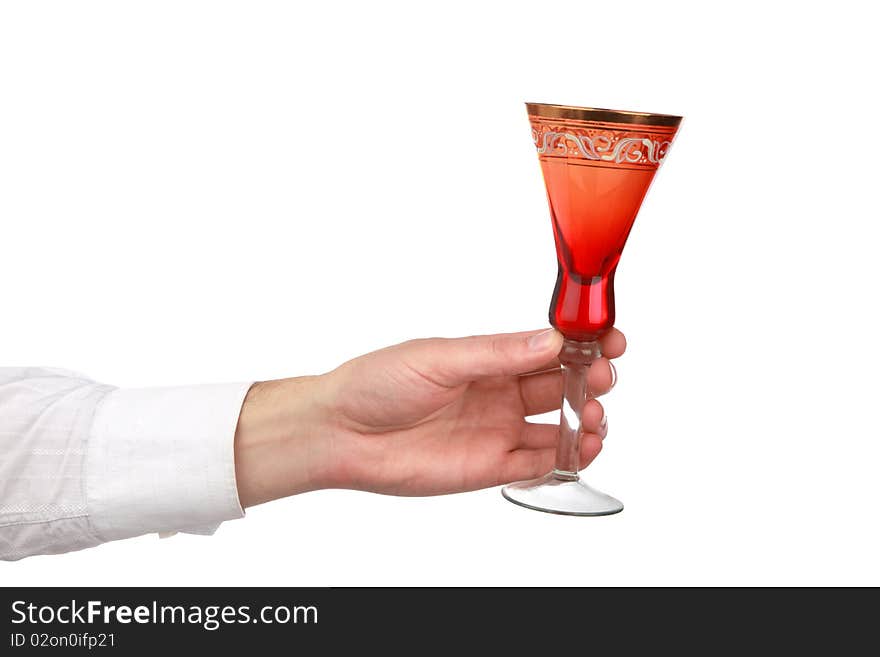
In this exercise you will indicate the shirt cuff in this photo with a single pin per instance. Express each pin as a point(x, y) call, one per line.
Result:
point(163, 460)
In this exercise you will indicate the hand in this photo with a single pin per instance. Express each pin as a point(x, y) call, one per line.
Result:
point(425, 417)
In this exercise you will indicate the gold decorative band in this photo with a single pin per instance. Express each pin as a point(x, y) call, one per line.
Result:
point(610, 148)
point(542, 110)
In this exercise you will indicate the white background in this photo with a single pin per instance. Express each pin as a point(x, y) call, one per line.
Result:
point(217, 191)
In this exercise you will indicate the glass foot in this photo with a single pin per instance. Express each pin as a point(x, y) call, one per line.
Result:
point(563, 494)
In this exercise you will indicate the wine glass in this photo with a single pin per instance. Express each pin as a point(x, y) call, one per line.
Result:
point(597, 166)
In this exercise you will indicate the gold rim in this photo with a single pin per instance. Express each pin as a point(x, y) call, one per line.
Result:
point(603, 115)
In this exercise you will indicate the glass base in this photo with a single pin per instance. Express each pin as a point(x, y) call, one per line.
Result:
point(564, 494)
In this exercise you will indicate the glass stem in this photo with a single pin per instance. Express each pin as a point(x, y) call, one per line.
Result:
point(576, 358)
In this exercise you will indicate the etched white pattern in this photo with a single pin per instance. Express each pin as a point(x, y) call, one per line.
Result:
point(634, 150)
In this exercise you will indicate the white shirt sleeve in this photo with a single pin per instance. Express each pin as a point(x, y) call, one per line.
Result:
point(82, 463)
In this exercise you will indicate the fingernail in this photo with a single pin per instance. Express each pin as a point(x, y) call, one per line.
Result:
point(603, 426)
point(542, 341)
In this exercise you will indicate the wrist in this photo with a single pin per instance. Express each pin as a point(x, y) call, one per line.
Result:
point(284, 441)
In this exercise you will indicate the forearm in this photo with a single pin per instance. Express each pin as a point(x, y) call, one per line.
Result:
point(284, 443)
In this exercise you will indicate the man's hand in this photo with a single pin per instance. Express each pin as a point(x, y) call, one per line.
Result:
point(425, 417)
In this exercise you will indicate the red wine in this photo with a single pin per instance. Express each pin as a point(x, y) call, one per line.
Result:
point(593, 207)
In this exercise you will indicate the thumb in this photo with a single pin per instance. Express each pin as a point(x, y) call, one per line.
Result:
point(452, 362)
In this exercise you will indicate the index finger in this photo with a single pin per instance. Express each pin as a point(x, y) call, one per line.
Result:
point(613, 343)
